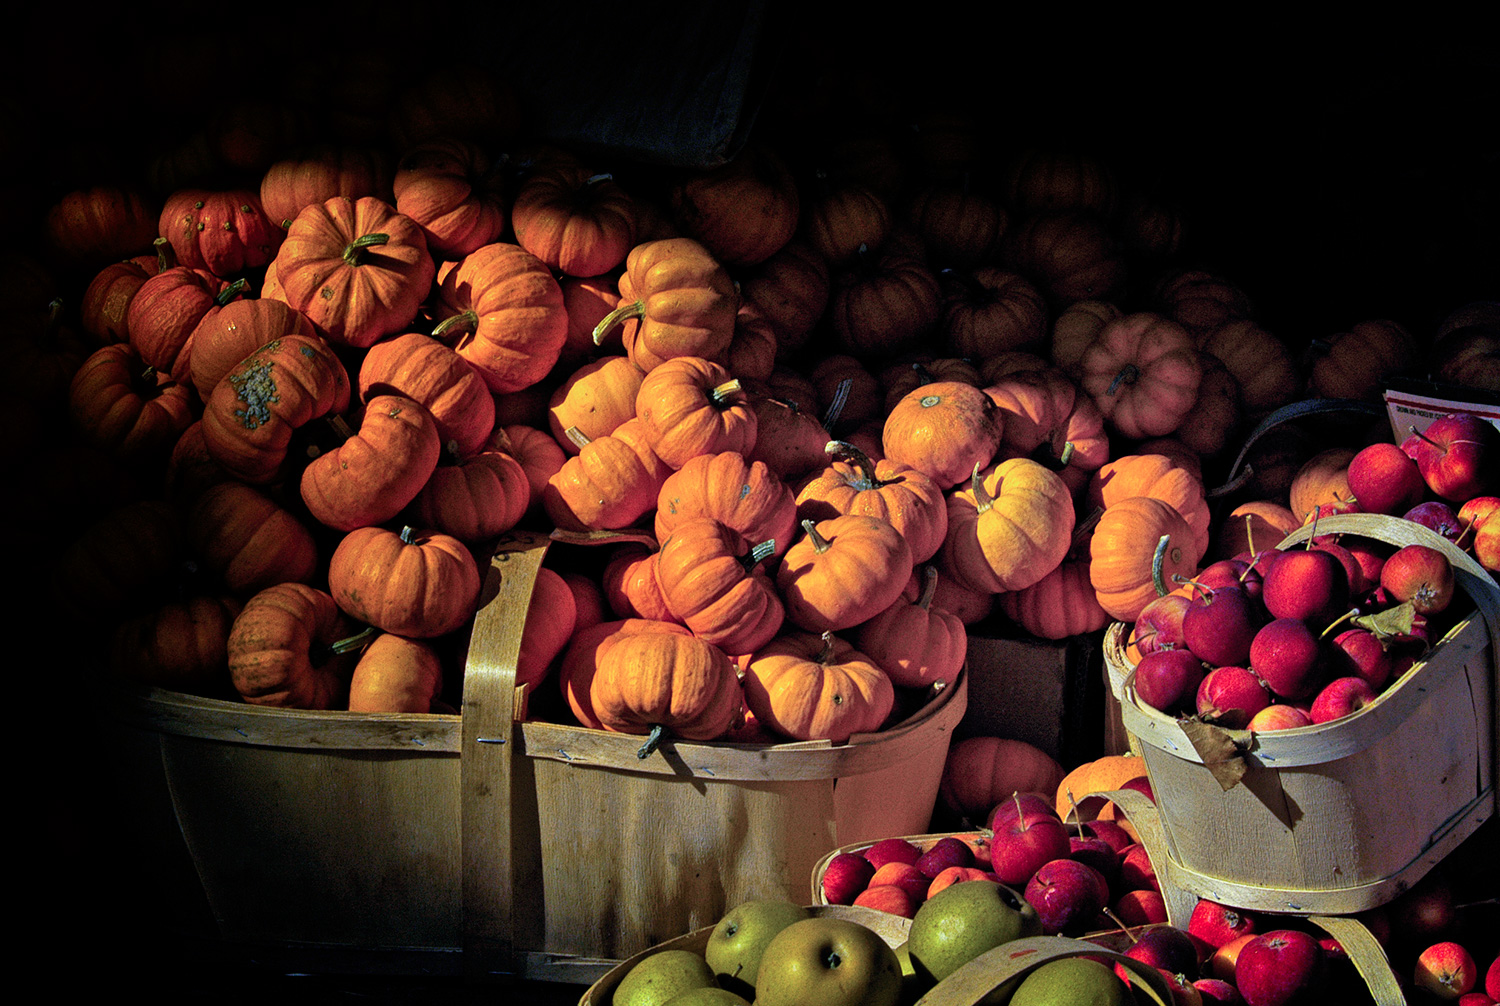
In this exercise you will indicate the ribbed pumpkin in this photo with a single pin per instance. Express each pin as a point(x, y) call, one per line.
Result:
point(959, 224)
point(373, 475)
point(844, 218)
point(1355, 363)
point(1010, 527)
point(991, 310)
point(630, 586)
point(1059, 605)
point(1157, 476)
point(982, 771)
point(181, 645)
point(502, 310)
point(247, 540)
point(1076, 328)
point(105, 309)
point(226, 233)
point(396, 675)
point(453, 192)
point(1142, 370)
point(280, 649)
point(792, 289)
point(609, 484)
point(712, 581)
point(744, 211)
point(843, 571)
point(356, 267)
point(944, 430)
point(1050, 420)
point(662, 683)
point(319, 173)
point(817, 687)
point(853, 484)
point(122, 406)
point(423, 369)
point(165, 311)
point(579, 222)
point(595, 398)
point(679, 299)
point(917, 643)
point(1260, 362)
point(1323, 478)
point(1138, 546)
point(745, 495)
point(580, 660)
point(473, 498)
point(412, 583)
point(224, 337)
point(1071, 255)
point(690, 406)
point(884, 303)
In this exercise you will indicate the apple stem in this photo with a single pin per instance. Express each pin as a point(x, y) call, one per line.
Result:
point(1110, 913)
point(1206, 590)
point(1351, 613)
point(1422, 436)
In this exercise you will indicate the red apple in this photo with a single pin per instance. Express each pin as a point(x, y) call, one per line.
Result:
point(1234, 572)
point(1479, 515)
point(945, 852)
point(957, 875)
point(1446, 969)
point(903, 875)
point(1457, 455)
point(1020, 806)
point(1218, 992)
point(1289, 657)
point(1419, 574)
point(1159, 625)
point(1023, 843)
point(1358, 582)
point(1370, 554)
point(1109, 831)
point(846, 875)
point(1492, 979)
point(1341, 697)
point(1424, 913)
point(1136, 870)
point(1068, 895)
point(1385, 479)
point(1167, 948)
point(1359, 652)
point(1279, 717)
point(1217, 924)
point(889, 898)
point(1306, 584)
point(1437, 516)
point(1097, 853)
point(1167, 680)
point(892, 850)
point(1141, 907)
point(1277, 967)
point(1229, 696)
point(1219, 624)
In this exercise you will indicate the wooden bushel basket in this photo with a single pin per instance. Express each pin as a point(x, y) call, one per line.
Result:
point(534, 848)
point(1340, 817)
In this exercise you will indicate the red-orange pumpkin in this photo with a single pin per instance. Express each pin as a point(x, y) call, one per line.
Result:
point(817, 687)
point(412, 583)
point(843, 571)
point(579, 222)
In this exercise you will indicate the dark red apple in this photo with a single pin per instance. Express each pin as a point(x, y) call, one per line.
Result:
point(1068, 895)
point(1385, 479)
point(1216, 924)
point(945, 852)
point(1359, 652)
point(1167, 680)
point(1021, 844)
point(1306, 584)
point(1020, 806)
point(1167, 948)
point(846, 875)
point(1289, 657)
point(1279, 967)
point(1219, 624)
point(892, 849)
point(1437, 516)
point(1097, 853)
point(1218, 992)
point(1136, 870)
point(1141, 908)
point(1341, 697)
point(1159, 625)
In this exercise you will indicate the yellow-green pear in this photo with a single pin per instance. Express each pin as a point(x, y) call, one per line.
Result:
point(734, 948)
point(1072, 981)
point(961, 922)
point(659, 977)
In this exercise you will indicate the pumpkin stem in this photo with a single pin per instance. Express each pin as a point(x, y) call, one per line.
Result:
point(464, 324)
point(844, 451)
point(653, 741)
point(166, 255)
point(1127, 375)
point(354, 251)
point(577, 436)
point(340, 427)
point(929, 586)
point(232, 291)
point(1066, 456)
point(635, 309)
point(923, 374)
point(826, 654)
point(599, 179)
point(982, 499)
point(820, 544)
point(408, 535)
point(836, 407)
point(1158, 558)
point(720, 395)
point(758, 554)
point(351, 643)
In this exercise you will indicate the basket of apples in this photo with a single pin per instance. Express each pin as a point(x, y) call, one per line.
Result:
point(1326, 732)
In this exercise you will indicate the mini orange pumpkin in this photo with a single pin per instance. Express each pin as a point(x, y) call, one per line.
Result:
point(412, 583)
point(395, 675)
point(1010, 527)
point(1143, 372)
point(281, 649)
point(843, 571)
point(817, 687)
point(655, 683)
point(1138, 547)
point(944, 430)
point(918, 644)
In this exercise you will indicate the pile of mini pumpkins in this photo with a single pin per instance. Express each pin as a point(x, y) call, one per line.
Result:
point(797, 421)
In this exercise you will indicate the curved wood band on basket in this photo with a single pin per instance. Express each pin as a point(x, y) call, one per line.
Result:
point(1239, 472)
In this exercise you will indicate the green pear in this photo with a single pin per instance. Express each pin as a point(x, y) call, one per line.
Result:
point(707, 997)
point(964, 920)
point(657, 978)
point(1072, 981)
point(734, 948)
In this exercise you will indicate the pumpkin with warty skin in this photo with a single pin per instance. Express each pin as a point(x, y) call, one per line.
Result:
point(853, 484)
point(1138, 548)
point(1010, 527)
point(502, 311)
point(376, 472)
point(105, 310)
point(943, 430)
point(579, 222)
point(395, 675)
point(224, 337)
point(356, 267)
point(226, 233)
point(449, 187)
point(249, 420)
point(712, 581)
point(843, 571)
point(808, 686)
point(660, 683)
point(1143, 372)
point(280, 649)
point(414, 583)
point(918, 644)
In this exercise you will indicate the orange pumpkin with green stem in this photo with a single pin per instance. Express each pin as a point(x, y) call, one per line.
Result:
point(680, 299)
point(853, 484)
point(944, 430)
point(711, 580)
point(425, 370)
point(918, 644)
point(811, 686)
point(690, 406)
point(661, 684)
point(742, 494)
point(1143, 372)
point(413, 583)
point(1138, 547)
point(843, 571)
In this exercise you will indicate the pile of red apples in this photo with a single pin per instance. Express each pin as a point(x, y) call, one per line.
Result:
point(1282, 639)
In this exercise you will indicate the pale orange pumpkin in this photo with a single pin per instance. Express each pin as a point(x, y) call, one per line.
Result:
point(1010, 527)
point(1138, 548)
point(1142, 370)
point(982, 771)
point(817, 687)
point(1155, 475)
point(917, 643)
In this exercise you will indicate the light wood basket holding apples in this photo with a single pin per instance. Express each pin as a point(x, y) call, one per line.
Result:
point(1339, 816)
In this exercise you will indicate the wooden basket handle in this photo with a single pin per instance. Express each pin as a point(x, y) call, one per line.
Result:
point(500, 858)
